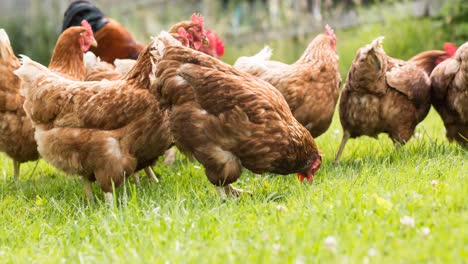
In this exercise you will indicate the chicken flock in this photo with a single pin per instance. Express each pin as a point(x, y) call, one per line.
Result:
point(107, 106)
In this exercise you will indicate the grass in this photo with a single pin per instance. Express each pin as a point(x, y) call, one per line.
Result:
point(360, 202)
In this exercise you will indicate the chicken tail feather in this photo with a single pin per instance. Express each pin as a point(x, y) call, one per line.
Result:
point(6, 52)
point(375, 46)
point(264, 54)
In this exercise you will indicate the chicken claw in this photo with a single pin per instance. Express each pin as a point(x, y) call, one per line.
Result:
point(231, 191)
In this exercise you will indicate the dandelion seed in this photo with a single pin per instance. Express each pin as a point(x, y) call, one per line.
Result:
point(434, 183)
point(330, 243)
point(425, 231)
point(281, 208)
point(407, 221)
point(372, 252)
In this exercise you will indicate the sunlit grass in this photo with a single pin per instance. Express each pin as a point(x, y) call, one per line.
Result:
point(45, 218)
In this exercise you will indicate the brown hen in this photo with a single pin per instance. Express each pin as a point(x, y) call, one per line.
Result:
point(310, 85)
point(228, 119)
point(102, 131)
point(16, 130)
point(383, 95)
point(449, 90)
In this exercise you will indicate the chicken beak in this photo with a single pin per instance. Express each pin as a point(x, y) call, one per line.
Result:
point(300, 177)
point(94, 43)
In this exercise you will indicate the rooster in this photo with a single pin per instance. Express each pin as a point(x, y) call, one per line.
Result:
point(383, 95)
point(228, 119)
point(115, 41)
point(449, 90)
point(310, 85)
point(16, 130)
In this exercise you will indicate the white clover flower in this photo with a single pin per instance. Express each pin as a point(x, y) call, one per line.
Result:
point(276, 247)
point(434, 183)
point(156, 210)
point(372, 252)
point(425, 231)
point(281, 208)
point(336, 131)
point(418, 135)
point(407, 221)
point(331, 243)
point(300, 260)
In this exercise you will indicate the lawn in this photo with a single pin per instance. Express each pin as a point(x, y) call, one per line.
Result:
point(361, 210)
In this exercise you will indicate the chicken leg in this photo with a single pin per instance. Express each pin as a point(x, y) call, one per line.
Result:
point(88, 190)
point(229, 190)
point(150, 173)
point(346, 136)
point(136, 177)
point(109, 199)
point(169, 156)
point(16, 169)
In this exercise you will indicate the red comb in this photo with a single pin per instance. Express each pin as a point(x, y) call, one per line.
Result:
point(450, 48)
point(329, 31)
point(197, 18)
point(215, 42)
point(86, 25)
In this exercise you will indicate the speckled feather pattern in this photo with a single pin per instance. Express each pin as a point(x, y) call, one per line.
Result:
point(449, 89)
point(229, 119)
point(310, 85)
point(16, 130)
point(383, 95)
point(100, 130)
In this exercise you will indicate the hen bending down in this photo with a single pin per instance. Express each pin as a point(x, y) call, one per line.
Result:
point(16, 130)
point(228, 119)
point(310, 85)
point(383, 95)
point(103, 131)
point(449, 90)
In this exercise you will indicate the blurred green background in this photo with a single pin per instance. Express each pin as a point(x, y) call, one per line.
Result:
point(247, 25)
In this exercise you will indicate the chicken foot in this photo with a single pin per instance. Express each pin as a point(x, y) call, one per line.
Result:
point(231, 191)
point(345, 139)
point(149, 172)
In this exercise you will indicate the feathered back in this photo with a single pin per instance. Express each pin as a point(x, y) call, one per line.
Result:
point(30, 70)
point(6, 51)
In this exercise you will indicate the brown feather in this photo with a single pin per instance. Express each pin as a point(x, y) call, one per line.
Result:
point(383, 95)
point(449, 90)
point(229, 119)
point(310, 85)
